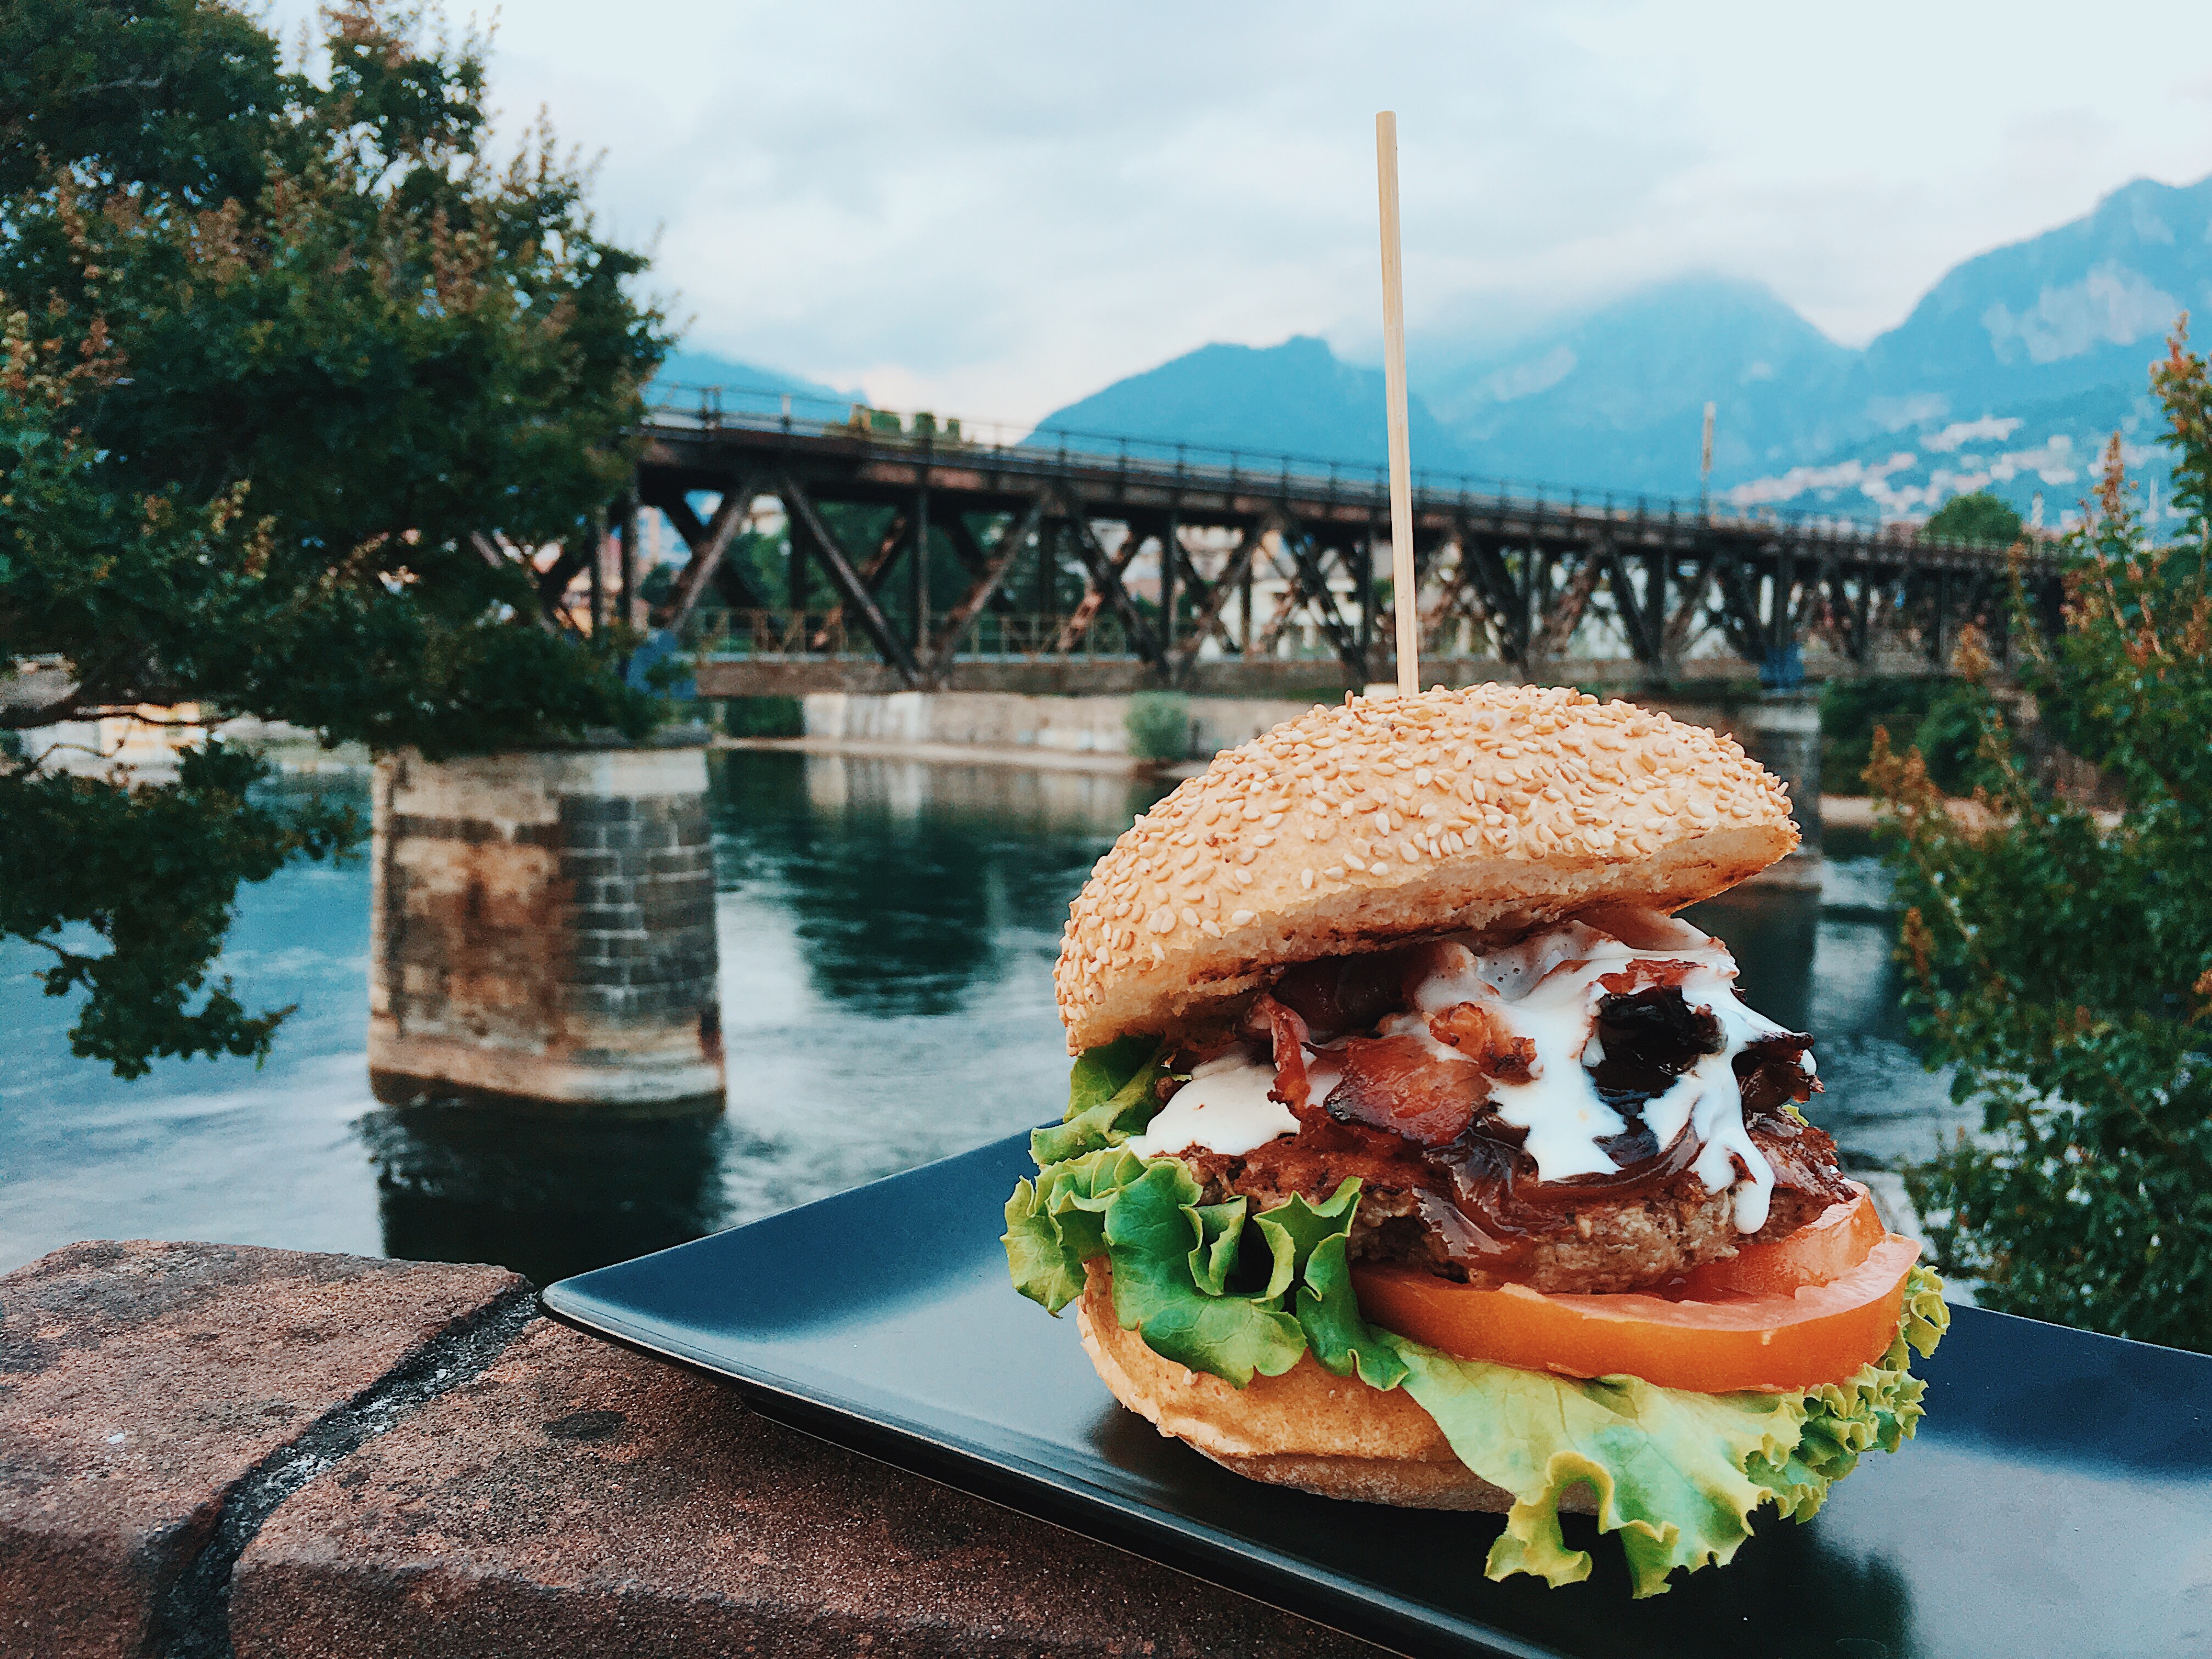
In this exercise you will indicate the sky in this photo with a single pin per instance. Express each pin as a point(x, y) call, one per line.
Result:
point(993, 210)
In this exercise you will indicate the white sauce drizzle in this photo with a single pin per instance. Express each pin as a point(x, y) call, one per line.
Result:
point(1223, 1109)
point(1545, 989)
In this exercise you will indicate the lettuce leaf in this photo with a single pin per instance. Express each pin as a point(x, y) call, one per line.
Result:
point(1156, 1240)
point(1219, 1289)
point(1209, 1286)
point(1112, 1094)
point(1677, 1474)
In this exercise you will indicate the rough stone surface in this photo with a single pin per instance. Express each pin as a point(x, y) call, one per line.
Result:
point(578, 1500)
point(542, 932)
point(142, 1385)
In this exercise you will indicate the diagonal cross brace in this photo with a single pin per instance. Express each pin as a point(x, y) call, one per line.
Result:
point(1500, 595)
point(1643, 617)
point(851, 590)
point(972, 557)
point(872, 573)
point(1213, 597)
point(1106, 574)
point(708, 543)
point(999, 561)
point(1315, 581)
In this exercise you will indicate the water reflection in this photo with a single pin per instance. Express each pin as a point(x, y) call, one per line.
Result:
point(904, 879)
point(888, 930)
point(548, 1198)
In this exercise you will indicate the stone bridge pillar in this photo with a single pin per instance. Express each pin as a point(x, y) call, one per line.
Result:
point(1782, 733)
point(543, 931)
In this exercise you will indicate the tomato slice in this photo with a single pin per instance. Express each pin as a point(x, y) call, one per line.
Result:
point(1824, 1248)
point(1777, 1340)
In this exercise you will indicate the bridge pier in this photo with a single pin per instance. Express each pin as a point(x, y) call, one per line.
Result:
point(1782, 732)
point(543, 931)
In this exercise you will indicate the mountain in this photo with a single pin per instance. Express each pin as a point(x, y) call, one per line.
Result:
point(1616, 399)
point(1295, 398)
point(2008, 374)
point(2082, 306)
point(747, 385)
point(2015, 368)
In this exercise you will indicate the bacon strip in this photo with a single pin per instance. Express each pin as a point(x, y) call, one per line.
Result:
point(1650, 972)
point(1398, 1083)
point(1289, 1034)
point(1477, 1033)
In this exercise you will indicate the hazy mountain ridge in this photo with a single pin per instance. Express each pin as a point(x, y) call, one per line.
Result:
point(1296, 398)
point(683, 373)
point(2008, 374)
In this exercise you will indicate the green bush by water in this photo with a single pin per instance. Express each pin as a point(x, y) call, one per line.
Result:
point(2063, 964)
point(1940, 720)
point(763, 717)
point(1159, 724)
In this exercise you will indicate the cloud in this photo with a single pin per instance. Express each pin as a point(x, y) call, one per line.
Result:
point(997, 208)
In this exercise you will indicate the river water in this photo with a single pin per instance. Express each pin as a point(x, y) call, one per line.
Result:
point(887, 931)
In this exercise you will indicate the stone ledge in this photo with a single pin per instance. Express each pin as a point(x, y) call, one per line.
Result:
point(153, 1396)
point(333, 1456)
point(581, 1499)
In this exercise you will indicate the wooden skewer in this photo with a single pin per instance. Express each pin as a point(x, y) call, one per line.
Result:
point(1402, 578)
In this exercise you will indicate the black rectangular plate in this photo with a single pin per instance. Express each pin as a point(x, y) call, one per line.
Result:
point(2058, 1499)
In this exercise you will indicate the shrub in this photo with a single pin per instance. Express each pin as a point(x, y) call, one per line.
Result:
point(2064, 964)
point(1159, 724)
point(1942, 721)
point(763, 717)
point(1849, 712)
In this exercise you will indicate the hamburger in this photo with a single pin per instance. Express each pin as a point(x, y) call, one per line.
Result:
point(1416, 1154)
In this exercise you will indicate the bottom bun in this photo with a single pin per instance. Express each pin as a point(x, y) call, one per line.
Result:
point(1307, 1429)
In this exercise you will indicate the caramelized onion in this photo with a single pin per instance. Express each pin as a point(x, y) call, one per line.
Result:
point(1337, 995)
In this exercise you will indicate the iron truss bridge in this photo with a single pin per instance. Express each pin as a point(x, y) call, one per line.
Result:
point(1097, 562)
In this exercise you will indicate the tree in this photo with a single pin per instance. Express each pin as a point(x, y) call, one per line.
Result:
point(1980, 517)
point(2065, 964)
point(292, 373)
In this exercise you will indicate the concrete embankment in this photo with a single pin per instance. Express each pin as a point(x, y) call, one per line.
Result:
point(1091, 733)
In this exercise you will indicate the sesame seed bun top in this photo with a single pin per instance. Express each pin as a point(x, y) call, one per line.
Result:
point(1496, 808)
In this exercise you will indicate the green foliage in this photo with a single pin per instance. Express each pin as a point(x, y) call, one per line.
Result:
point(1216, 1289)
point(1980, 517)
point(1942, 720)
point(1159, 724)
point(2065, 965)
point(763, 717)
point(153, 874)
point(1851, 710)
point(285, 366)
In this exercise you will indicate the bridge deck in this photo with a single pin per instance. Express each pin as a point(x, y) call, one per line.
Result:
point(1194, 559)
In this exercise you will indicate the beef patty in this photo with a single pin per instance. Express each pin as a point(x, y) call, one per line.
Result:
point(1600, 1243)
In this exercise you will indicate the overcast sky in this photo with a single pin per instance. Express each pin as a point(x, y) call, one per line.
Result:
point(994, 209)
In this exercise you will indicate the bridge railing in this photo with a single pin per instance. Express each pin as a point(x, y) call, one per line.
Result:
point(1017, 447)
point(780, 634)
point(785, 633)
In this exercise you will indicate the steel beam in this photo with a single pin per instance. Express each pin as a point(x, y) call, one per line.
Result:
point(846, 579)
point(1213, 597)
point(709, 545)
point(872, 574)
point(1106, 577)
point(995, 566)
